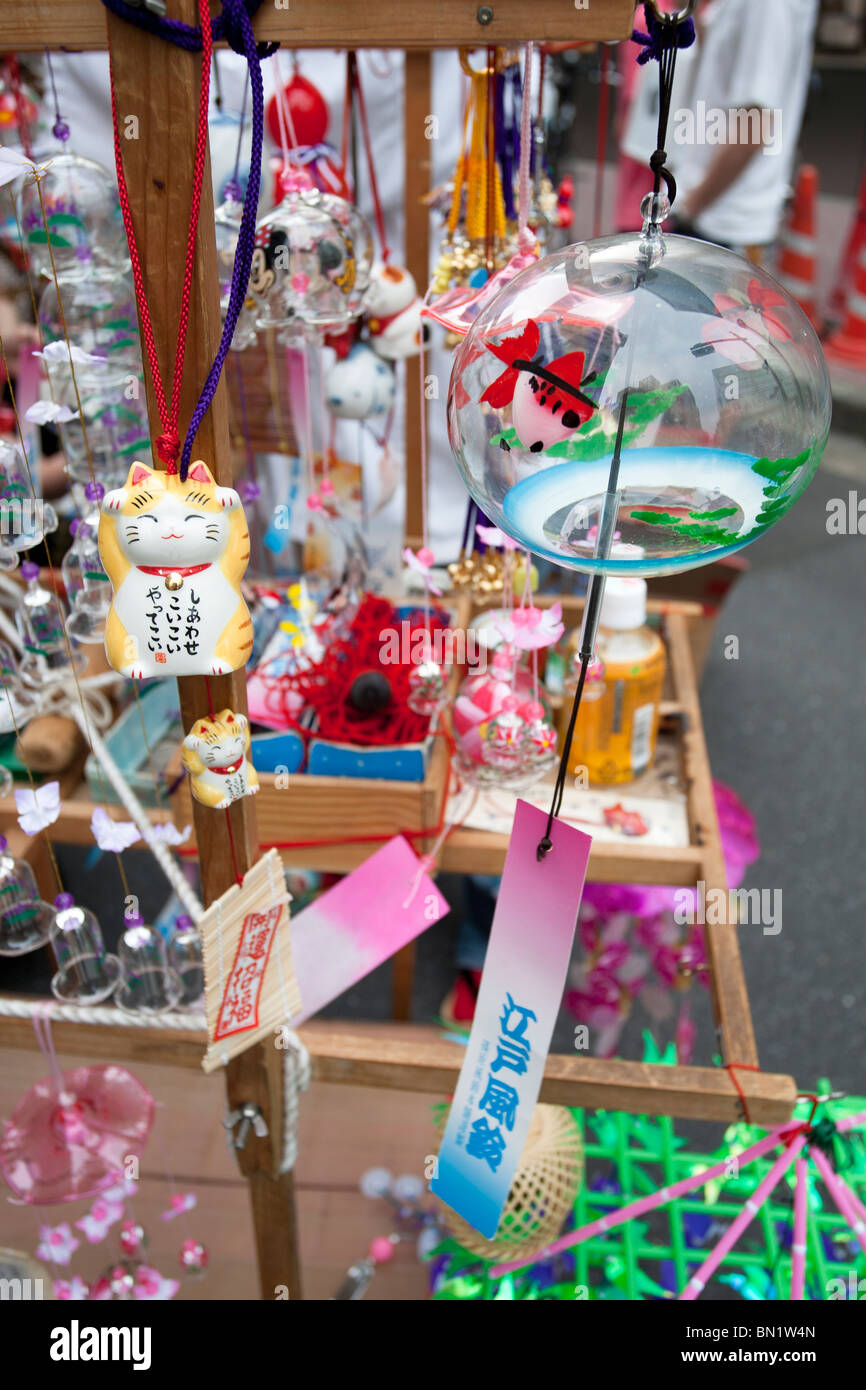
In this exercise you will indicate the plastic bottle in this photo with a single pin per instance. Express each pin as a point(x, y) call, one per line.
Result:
point(616, 730)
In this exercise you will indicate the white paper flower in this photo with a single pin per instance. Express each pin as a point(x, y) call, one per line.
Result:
point(13, 163)
point(60, 352)
point(49, 413)
point(112, 835)
point(37, 809)
point(170, 835)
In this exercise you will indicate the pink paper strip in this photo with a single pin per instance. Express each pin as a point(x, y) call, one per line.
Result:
point(613, 1219)
point(798, 1245)
point(752, 1206)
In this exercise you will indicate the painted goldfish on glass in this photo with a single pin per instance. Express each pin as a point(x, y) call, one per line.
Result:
point(547, 402)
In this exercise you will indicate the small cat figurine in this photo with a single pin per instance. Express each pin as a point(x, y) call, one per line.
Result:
point(215, 754)
point(175, 554)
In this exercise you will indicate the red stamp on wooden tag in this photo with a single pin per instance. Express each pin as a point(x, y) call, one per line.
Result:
point(239, 1010)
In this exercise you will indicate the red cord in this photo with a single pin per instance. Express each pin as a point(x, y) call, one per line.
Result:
point(168, 443)
point(731, 1068)
point(374, 187)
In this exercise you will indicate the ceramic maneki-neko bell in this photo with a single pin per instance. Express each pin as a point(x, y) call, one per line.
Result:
point(216, 754)
point(175, 553)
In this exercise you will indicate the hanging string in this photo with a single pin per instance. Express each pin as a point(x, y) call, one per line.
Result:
point(239, 30)
point(228, 810)
point(62, 312)
point(235, 179)
point(60, 130)
point(168, 443)
point(666, 35)
point(31, 291)
point(525, 238)
point(384, 248)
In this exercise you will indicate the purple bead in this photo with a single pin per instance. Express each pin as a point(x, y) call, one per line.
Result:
point(60, 130)
point(74, 524)
point(250, 491)
point(183, 922)
point(234, 193)
point(63, 901)
point(29, 570)
point(3, 843)
point(94, 492)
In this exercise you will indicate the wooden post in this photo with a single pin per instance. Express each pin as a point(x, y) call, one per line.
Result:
point(158, 84)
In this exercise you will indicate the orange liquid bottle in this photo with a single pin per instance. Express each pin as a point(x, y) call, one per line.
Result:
point(617, 724)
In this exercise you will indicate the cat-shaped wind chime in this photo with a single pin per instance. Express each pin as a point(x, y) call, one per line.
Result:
point(175, 553)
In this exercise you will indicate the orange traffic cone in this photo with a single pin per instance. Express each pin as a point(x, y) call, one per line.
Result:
point(797, 263)
point(856, 240)
point(848, 344)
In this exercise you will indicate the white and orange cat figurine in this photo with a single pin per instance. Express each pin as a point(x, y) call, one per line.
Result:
point(216, 755)
point(175, 554)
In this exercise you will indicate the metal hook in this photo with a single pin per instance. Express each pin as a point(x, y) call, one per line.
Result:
point(672, 16)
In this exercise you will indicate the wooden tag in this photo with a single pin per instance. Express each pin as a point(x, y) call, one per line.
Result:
point(250, 982)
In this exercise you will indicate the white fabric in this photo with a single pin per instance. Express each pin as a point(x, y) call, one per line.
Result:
point(749, 53)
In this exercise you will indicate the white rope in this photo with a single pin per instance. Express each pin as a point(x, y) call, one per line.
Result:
point(296, 1078)
point(97, 1013)
point(139, 815)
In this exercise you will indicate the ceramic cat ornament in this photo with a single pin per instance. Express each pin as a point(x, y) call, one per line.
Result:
point(175, 554)
point(216, 755)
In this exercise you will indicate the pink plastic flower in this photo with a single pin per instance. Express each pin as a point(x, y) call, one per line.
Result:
point(530, 628)
point(99, 1220)
point(150, 1284)
point(180, 1202)
point(73, 1290)
point(491, 535)
point(56, 1244)
point(421, 561)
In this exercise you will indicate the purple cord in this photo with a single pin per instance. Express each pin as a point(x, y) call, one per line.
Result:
point(234, 25)
point(246, 234)
point(189, 36)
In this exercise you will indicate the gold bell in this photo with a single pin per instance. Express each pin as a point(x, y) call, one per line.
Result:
point(173, 582)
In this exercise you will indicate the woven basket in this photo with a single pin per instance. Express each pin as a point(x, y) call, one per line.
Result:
point(542, 1194)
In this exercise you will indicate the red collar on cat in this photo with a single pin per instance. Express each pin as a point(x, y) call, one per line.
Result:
point(224, 771)
point(182, 570)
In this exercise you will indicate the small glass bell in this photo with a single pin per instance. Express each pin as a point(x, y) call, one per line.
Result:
point(185, 958)
point(228, 224)
point(87, 585)
point(82, 218)
point(40, 621)
point(25, 920)
point(148, 984)
point(86, 973)
point(24, 519)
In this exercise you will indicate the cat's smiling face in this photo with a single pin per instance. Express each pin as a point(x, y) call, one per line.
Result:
point(222, 754)
point(160, 521)
point(176, 530)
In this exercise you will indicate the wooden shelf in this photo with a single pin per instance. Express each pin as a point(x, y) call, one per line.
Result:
point(80, 24)
point(420, 1058)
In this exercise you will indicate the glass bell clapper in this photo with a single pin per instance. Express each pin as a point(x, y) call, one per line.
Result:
point(24, 519)
point(228, 224)
point(39, 619)
point(185, 958)
point(148, 984)
point(86, 973)
point(25, 920)
point(87, 585)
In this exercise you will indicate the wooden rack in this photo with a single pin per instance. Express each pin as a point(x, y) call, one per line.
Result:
point(158, 82)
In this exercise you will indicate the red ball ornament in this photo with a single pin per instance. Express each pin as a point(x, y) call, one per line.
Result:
point(308, 110)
